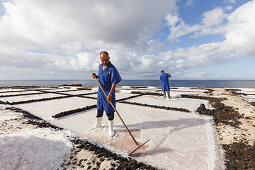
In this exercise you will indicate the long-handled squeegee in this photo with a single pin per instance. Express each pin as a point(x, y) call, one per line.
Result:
point(139, 146)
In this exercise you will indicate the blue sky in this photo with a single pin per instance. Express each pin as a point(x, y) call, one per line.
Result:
point(191, 39)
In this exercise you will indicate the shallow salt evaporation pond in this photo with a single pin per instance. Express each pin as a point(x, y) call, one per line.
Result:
point(46, 109)
point(186, 103)
point(177, 140)
point(29, 97)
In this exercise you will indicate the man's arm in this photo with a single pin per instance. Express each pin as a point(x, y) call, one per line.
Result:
point(109, 97)
point(170, 75)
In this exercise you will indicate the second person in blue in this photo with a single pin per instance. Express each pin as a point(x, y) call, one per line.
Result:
point(108, 77)
point(165, 83)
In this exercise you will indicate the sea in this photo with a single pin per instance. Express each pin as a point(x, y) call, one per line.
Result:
point(173, 83)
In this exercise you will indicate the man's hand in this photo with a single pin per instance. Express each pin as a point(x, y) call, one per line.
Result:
point(170, 75)
point(94, 75)
point(109, 98)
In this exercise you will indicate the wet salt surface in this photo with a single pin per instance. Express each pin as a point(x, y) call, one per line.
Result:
point(61, 89)
point(190, 104)
point(186, 89)
point(179, 93)
point(46, 109)
point(78, 92)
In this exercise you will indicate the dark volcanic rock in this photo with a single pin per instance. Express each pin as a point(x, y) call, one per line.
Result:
point(71, 85)
point(65, 113)
point(209, 91)
point(84, 88)
point(36, 100)
point(135, 87)
point(130, 97)
point(155, 106)
point(234, 91)
point(123, 162)
point(146, 93)
point(239, 156)
point(221, 114)
point(34, 120)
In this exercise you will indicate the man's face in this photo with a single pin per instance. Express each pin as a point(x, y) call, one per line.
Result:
point(104, 59)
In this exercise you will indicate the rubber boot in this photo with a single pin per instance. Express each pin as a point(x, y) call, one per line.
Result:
point(111, 131)
point(168, 94)
point(98, 123)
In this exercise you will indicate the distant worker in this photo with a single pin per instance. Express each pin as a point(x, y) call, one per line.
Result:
point(165, 83)
point(108, 77)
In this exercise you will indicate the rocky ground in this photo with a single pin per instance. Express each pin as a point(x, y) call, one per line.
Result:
point(235, 122)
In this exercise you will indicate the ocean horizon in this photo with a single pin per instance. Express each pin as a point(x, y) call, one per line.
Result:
point(173, 83)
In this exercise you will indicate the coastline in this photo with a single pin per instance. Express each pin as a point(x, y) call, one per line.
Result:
point(173, 83)
point(233, 136)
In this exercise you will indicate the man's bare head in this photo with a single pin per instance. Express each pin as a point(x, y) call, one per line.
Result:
point(104, 57)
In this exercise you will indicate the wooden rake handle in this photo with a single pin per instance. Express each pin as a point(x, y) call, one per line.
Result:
point(118, 114)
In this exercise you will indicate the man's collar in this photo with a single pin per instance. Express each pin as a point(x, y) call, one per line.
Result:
point(109, 64)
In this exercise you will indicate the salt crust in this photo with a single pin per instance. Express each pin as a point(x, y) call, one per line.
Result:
point(34, 149)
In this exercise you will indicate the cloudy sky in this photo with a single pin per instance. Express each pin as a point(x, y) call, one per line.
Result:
point(191, 39)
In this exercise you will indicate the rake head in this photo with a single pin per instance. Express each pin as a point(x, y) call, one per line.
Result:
point(139, 146)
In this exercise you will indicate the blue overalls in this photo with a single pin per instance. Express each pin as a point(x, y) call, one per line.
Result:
point(165, 84)
point(107, 77)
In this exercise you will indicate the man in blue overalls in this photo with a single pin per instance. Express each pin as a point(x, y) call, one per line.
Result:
point(108, 77)
point(165, 83)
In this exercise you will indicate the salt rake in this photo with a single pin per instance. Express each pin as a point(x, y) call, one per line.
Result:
point(139, 146)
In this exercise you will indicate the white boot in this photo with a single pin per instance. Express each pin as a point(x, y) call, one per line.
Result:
point(111, 131)
point(98, 124)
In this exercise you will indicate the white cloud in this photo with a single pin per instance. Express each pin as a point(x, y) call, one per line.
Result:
point(240, 30)
point(181, 30)
point(67, 36)
point(239, 41)
point(51, 23)
point(214, 17)
point(211, 24)
point(194, 75)
point(172, 20)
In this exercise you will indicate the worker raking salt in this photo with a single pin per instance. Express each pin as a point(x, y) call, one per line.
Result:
point(165, 83)
point(108, 77)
